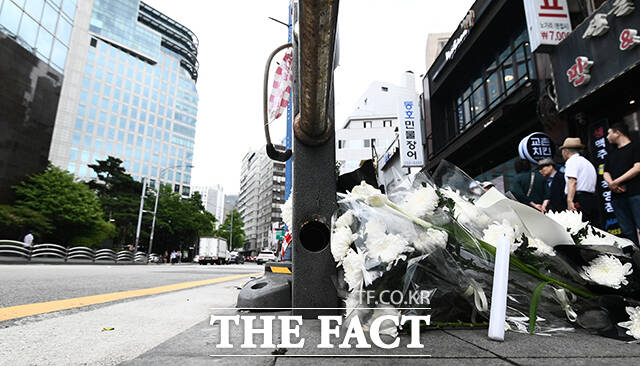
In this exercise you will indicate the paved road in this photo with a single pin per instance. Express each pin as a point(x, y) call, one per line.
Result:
point(134, 324)
point(173, 327)
point(25, 284)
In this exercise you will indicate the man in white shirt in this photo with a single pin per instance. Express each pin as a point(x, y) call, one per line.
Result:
point(580, 177)
point(28, 239)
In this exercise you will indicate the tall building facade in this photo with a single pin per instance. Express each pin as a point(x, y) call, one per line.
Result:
point(260, 199)
point(34, 40)
point(129, 92)
point(372, 128)
point(42, 27)
point(230, 203)
point(212, 200)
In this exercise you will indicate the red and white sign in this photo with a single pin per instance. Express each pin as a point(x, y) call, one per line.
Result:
point(548, 22)
point(628, 39)
point(578, 74)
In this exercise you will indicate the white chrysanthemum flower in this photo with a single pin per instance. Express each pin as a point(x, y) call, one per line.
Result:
point(421, 202)
point(607, 270)
point(541, 247)
point(341, 240)
point(287, 212)
point(430, 240)
point(388, 248)
point(369, 194)
point(375, 229)
point(386, 327)
point(346, 219)
point(467, 214)
point(353, 265)
point(634, 322)
point(497, 230)
point(571, 220)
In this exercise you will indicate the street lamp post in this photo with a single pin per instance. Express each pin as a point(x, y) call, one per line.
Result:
point(155, 205)
point(144, 189)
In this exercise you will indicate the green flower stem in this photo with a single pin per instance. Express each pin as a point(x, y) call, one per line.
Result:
point(530, 270)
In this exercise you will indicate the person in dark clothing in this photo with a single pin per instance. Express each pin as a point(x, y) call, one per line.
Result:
point(556, 183)
point(529, 187)
point(621, 170)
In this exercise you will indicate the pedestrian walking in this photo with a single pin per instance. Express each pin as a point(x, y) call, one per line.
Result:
point(556, 183)
point(164, 257)
point(28, 239)
point(173, 256)
point(621, 170)
point(530, 187)
point(580, 182)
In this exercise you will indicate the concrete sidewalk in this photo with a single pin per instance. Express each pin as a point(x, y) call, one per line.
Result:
point(197, 346)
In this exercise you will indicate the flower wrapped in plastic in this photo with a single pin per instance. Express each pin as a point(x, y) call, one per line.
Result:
point(429, 249)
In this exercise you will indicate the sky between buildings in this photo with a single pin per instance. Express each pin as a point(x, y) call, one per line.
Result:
point(379, 40)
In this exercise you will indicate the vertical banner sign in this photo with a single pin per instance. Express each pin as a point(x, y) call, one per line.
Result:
point(598, 146)
point(548, 22)
point(411, 145)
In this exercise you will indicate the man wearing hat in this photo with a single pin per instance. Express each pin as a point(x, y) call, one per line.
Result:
point(556, 183)
point(580, 177)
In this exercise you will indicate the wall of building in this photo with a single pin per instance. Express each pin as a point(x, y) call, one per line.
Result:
point(230, 203)
point(43, 27)
point(373, 123)
point(212, 199)
point(128, 97)
point(435, 44)
point(260, 199)
point(29, 94)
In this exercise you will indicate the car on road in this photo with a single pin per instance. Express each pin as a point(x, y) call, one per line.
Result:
point(265, 256)
point(235, 257)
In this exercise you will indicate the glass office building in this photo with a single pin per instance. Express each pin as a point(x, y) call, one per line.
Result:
point(135, 96)
point(41, 26)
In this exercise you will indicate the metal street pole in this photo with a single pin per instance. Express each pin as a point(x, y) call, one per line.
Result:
point(231, 229)
point(155, 205)
point(144, 189)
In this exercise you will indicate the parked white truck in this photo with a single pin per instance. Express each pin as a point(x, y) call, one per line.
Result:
point(212, 250)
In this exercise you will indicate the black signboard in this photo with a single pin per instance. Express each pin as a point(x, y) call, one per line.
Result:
point(600, 49)
point(535, 147)
point(598, 146)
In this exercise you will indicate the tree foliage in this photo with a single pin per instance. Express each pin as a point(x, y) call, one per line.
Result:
point(15, 222)
point(71, 207)
point(119, 196)
point(180, 221)
point(238, 230)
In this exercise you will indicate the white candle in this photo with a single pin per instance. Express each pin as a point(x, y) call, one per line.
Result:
point(499, 292)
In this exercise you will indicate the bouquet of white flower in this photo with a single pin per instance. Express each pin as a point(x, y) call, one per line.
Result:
point(429, 248)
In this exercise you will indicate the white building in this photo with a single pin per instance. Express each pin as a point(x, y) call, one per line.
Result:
point(435, 44)
point(372, 128)
point(213, 200)
point(260, 199)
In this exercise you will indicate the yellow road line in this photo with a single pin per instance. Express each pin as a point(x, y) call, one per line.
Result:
point(20, 311)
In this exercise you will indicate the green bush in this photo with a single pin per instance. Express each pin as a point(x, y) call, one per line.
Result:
point(16, 221)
